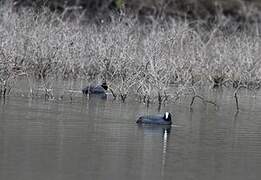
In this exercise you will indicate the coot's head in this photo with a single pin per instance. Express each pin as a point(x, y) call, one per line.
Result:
point(139, 120)
point(167, 116)
point(104, 85)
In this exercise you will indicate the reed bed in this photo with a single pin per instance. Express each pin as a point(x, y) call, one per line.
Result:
point(157, 62)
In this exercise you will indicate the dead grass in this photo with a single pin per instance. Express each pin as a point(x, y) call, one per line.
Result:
point(133, 58)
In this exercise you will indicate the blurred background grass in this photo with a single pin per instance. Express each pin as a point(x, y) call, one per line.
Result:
point(187, 8)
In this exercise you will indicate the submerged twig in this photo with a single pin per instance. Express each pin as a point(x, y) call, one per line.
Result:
point(113, 93)
point(201, 98)
point(235, 95)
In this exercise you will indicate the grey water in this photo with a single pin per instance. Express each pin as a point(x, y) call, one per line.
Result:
point(99, 139)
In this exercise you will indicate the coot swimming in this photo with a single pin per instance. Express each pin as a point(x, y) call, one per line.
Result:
point(164, 119)
point(95, 89)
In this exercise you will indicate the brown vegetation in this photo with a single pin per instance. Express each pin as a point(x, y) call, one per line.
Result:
point(157, 62)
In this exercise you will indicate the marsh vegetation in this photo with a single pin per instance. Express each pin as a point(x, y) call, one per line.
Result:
point(159, 61)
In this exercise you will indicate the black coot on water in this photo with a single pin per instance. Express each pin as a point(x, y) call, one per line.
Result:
point(164, 119)
point(95, 89)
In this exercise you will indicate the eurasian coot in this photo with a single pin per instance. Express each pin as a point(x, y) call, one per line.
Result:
point(164, 119)
point(95, 89)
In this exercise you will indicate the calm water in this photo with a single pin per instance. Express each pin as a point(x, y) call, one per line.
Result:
point(99, 139)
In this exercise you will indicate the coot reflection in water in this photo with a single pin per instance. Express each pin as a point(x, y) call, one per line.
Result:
point(155, 131)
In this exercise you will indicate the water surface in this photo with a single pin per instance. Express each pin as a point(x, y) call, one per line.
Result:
point(97, 139)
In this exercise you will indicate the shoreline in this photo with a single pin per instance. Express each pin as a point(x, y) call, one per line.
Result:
point(70, 92)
